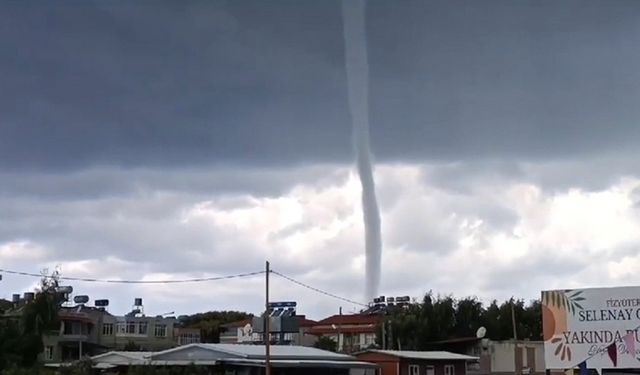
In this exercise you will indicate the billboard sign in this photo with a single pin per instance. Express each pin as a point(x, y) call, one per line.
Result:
point(596, 327)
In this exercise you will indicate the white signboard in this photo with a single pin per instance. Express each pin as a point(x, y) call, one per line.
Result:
point(597, 327)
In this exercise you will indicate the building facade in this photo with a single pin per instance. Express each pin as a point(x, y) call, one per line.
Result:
point(393, 362)
point(352, 333)
point(87, 331)
point(247, 332)
point(519, 357)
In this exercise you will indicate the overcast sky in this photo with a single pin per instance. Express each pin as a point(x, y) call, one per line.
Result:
point(178, 139)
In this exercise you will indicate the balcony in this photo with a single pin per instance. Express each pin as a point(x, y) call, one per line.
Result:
point(74, 337)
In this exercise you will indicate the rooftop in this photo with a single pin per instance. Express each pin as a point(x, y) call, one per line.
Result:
point(237, 354)
point(427, 355)
point(304, 322)
point(258, 351)
point(351, 319)
point(130, 355)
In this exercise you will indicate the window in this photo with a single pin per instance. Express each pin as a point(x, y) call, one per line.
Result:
point(142, 328)
point(369, 340)
point(431, 370)
point(107, 329)
point(188, 338)
point(290, 337)
point(67, 327)
point(449, 370)
point(131, 328)
point(414, 370)
point(74, 328)
point(48, 353)
point(161, 330)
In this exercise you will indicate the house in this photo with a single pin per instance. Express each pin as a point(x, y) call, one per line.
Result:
point(239, 359)
point(79, 335)
point(87, 331)
point(246, 331)
point(396, 362)
point(352, 332)
point(240, 331)
point(92, 330)
point(520, 357)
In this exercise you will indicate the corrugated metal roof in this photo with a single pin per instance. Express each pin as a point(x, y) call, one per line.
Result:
point(428, 355)
point(132, 355)
point(276, 351)
point(304, 363)
point(122, 358)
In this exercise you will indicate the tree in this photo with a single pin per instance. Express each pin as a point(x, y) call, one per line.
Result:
point(531, 320)
point(21, 335)
point(326, 343)
point(418, 326)
point(468, 317)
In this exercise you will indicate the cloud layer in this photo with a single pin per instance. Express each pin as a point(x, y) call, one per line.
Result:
point(497, 238)
point(200, 83)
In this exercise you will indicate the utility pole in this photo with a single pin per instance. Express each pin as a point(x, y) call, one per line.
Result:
point(513, 320)
point(339, 330)
point(267, 329)
point(384, 334)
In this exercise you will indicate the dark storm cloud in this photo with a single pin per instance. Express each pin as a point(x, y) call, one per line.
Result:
point(183, 83)
point(200, 182)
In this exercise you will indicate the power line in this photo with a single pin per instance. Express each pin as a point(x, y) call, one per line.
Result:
point(182, 281)
point(318, 290)
point(114, 281)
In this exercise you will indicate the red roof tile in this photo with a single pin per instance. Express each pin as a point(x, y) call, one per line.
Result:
point(239, 323)
point(369, 328)
point(351, 319)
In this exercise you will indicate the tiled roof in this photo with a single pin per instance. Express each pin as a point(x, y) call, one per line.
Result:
point(369, 328)
point(239, 323)
point(351, 319)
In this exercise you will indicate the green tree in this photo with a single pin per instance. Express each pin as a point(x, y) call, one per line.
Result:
point(417, 326)
point(468, 317)
point(10, 344)
point(21, 335)
point(531, 321)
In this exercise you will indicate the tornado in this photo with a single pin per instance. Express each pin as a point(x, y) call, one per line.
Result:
point(357, 70)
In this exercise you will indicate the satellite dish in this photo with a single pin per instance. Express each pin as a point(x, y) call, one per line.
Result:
point(247, 330)
point(481, 332)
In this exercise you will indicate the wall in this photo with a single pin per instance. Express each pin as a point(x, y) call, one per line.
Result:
point(460, 367)
point(86, 325)
point(389, 365)
point(510, 357)
point(148, 341)
point(301, 338)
